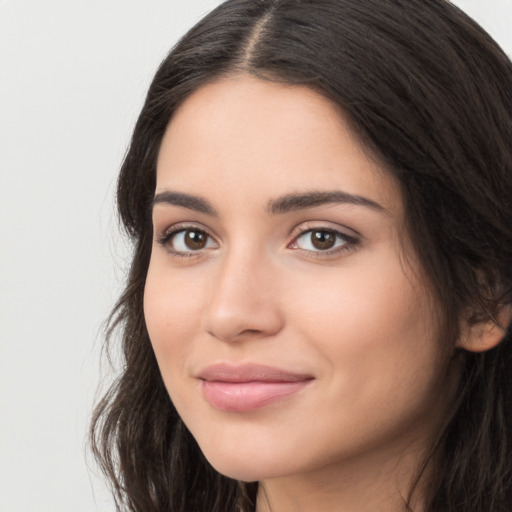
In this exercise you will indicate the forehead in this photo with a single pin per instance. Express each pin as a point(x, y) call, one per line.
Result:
point(242, 135)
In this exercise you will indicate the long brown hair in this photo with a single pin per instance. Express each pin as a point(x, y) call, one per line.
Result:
point(430, 94)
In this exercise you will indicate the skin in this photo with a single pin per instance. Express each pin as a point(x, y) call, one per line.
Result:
point(360, 321)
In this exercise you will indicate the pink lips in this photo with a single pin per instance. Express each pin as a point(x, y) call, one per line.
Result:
point(248, 387)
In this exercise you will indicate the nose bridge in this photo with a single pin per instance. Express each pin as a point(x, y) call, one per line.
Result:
point(244, 296)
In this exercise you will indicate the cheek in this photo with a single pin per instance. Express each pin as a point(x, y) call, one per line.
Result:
point(172, 311)
point(373, 328)
point(378, 300)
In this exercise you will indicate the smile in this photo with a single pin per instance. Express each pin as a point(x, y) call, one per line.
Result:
point(248, 387)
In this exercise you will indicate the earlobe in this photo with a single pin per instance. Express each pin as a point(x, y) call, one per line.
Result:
point(485, 334)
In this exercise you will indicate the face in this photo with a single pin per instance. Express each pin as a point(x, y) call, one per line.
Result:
point(290, 320)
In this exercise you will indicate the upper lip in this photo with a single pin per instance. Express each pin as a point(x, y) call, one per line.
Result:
point(249, 372)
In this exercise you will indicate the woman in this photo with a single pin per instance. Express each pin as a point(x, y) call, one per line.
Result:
point(317, 314)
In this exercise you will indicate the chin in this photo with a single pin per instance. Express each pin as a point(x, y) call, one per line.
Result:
point(243, 470)
point(246, 468)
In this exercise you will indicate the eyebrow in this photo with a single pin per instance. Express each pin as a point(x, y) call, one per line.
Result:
point(281, 205)
point(293, 202)
point(186, 200)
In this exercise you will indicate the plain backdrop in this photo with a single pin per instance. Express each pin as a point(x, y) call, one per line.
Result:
point(73, 76)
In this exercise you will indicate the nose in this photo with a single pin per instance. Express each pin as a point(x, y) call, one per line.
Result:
point(244, 300)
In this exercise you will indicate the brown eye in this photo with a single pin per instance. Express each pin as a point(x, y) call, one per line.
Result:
point(323, 240)
point(189, 240)
point(195, 240)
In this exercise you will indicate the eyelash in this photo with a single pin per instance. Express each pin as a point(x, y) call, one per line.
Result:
point(168, 235)
point(350, 242)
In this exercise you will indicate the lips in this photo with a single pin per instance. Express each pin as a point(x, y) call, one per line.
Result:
point(248, 387)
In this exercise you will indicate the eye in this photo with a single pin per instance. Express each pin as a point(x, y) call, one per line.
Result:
point(187, 240)
point(323, 240)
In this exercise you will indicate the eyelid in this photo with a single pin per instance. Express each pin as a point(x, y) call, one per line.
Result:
point(164, 236)
point(352, 239)
point(320, 225)
point(180, 226)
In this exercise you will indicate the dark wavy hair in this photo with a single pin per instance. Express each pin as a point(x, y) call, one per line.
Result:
point(429, 93)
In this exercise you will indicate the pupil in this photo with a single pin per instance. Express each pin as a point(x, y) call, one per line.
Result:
point(195, 240)
point(323, 239)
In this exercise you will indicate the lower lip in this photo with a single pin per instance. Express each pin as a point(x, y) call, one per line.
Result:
point(248, 396)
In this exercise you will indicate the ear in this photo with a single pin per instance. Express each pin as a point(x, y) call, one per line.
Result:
point(484, 334)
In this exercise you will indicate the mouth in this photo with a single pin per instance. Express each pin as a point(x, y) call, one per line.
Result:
point(248, 387)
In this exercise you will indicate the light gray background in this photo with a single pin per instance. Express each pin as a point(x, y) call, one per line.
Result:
point(73, 75)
